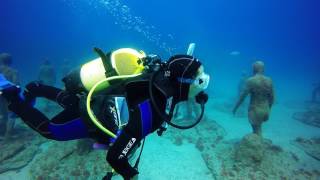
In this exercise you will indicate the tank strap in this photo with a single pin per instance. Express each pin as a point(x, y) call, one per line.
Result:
point(106, 60)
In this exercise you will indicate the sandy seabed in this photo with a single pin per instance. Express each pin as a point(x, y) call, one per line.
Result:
point(162, 159)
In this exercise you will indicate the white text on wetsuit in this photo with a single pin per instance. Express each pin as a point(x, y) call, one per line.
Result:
point(127, 148)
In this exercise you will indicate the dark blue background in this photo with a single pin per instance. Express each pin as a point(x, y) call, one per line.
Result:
point(285, 34)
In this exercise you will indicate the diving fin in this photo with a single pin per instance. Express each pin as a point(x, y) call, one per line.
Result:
point(9, 90)
point(4, 83)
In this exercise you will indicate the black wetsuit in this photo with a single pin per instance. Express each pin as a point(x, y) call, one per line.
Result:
point(71, 123)
point(143, 120)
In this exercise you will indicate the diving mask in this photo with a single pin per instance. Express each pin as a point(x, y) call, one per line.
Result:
point(202, 81)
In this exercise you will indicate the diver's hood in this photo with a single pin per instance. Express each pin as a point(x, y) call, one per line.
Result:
point(165, 86)
point(181, 70)
point(178, 79)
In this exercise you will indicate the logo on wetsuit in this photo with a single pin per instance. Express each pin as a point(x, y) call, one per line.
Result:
point(113, 111)
point(127, 148)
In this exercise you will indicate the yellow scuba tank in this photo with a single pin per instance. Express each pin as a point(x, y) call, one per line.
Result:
point(122, 62)
point(96, 75)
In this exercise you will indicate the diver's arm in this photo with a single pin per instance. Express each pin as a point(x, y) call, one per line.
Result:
point(242, 97)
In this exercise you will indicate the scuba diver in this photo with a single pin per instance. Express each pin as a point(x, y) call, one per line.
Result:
point(90, 108)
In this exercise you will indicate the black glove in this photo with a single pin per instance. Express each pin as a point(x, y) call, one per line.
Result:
point(202, 98)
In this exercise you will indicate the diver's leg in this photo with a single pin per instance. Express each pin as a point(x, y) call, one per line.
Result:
point(138, 127)
point(117, 155)
point(68, 128)
point(65, 126)
point(32, 117)
point(65, 116)
point(36, 89)
point(63, 98)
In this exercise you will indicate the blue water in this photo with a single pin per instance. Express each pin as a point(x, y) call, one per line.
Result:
point(284, 34)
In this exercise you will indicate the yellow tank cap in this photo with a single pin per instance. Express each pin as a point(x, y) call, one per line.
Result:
point(127, 61)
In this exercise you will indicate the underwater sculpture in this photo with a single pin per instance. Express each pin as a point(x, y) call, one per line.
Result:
point(65, 67)
point(47, 74)
point(7, 119)
point(90, 106)
point(316, 93)
point(242, 82)
point(261, 92)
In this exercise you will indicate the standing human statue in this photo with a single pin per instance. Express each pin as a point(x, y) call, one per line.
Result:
point(47, 73)
point(260, 89)
point(7, 118)
point(316, 93)
point(47, 76)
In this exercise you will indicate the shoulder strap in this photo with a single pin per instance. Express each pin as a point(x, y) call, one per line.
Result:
point(106, 60)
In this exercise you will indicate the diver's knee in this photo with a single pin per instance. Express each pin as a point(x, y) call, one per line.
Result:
point(32, 86)
point(66, 99)
point(32, 89)
point(44, 130)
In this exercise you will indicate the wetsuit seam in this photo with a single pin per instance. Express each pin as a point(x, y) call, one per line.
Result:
point(54, 124)
point(37, 128)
